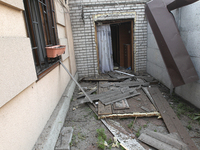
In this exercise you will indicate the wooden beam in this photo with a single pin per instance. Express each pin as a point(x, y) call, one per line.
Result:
point(150, 114)
point(171, 120)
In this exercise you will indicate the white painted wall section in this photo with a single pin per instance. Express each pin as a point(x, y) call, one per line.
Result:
point(188, 21)
point(155, 63)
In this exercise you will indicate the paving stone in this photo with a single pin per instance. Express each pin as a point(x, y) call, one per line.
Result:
point(64, 139)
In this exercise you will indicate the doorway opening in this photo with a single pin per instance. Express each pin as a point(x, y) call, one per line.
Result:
point(122, 42)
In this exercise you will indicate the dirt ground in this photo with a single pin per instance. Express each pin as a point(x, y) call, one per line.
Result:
point(85, 122)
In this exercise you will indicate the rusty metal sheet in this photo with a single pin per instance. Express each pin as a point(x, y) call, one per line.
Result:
point(177, 60)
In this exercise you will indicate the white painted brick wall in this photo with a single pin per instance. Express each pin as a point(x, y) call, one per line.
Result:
point(84, 32)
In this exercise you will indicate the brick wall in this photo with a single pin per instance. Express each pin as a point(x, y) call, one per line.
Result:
point(83, 15)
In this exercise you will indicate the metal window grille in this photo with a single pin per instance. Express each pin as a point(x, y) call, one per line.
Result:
point(41, 26)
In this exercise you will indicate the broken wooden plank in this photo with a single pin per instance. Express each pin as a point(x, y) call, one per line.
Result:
point(167, 139)
point(146, 78)
point(118, 91)
point(102, 79)
point(118, 76)
point(104, 95)
point(89, 93)
point(105, 85)
point(123, 104)
point(107, 93)
point(125, 141)
point(125, 73)
point(171, 120)
point(149, 96)
point(96, 97)
point(135, 104)
point(131, 84)
point(104, 110)
point(150, 114)
point(161, 141)
point(118, 97)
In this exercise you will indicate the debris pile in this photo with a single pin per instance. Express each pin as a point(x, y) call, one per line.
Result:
point(124, 95)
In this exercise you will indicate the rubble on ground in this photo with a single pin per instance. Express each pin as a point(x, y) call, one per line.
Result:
point(124, 95)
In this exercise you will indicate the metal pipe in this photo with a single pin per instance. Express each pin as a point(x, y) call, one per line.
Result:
point(77, 84)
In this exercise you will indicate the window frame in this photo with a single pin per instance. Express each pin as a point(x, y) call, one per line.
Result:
point(42, 30)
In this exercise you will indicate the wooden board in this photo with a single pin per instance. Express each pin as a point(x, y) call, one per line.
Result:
point(118, 76)
point(88, 93)
point(126, 140)
point(123, 104)
point(118, 97)
point(101, 79)
point(131, 84)
point(104, 110)
point(161, 141)
point(171, 120)
point(136, 103)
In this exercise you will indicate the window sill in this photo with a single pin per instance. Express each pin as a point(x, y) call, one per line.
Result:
point(45, 72)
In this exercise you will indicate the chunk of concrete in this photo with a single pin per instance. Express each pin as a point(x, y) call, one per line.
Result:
point(64, 139)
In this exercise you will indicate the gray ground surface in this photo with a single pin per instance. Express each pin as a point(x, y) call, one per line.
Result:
point(85, 122)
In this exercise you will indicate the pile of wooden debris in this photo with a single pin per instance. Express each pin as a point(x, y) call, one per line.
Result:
point(124, 95)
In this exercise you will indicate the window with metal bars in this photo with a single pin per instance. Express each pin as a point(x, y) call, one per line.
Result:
point(41, 27)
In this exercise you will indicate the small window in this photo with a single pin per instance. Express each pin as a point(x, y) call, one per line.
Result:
point(41, 26)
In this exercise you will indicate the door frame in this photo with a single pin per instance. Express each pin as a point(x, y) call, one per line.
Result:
point(115, 21)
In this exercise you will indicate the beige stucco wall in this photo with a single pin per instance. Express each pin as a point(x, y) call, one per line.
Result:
point(26, 104)
point(24, 117)
point(65, 34)
point(70, 43)
point(17, 4)
point(16, 65)
point(11, 22)
point(60, 13)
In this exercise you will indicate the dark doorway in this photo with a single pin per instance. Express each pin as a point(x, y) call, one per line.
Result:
point(115, 44)
point(122, 37)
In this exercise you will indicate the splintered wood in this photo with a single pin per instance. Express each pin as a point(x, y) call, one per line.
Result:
point(126, 140)
point(151, 114)
point(131, 99)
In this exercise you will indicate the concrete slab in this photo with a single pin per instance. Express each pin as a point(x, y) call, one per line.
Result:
point(64, 139)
